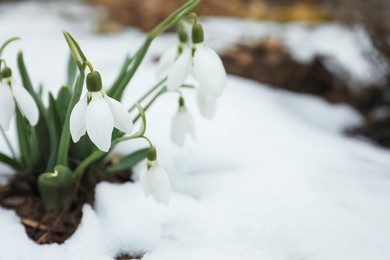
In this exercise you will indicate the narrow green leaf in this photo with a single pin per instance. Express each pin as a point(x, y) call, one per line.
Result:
point(77, 54)
point(10, 162)
point(54, 131)
point(63, 100)
point(41, 130)
point(128, 161)
point(116, 91)
point(63, 148)
point(22, 127)
point(72, 73)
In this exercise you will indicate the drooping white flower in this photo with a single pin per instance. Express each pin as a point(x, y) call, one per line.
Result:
point(166, 61)
point(179, 71)
point(155, 182)
point(182, 125)
point(97, 114)
point(9, 95)
point(209, 70)
point(178, 61)
point(207, 104)
point(175, 63)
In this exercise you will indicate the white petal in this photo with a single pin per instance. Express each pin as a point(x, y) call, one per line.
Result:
point(179, 70)
point(26, 103)
point(77, 119)
point(182, 124)
point(144, 181)
point(159, 183)
point(207, 104)
point(179, 128)
point(122, 118)
point(7, 106)
point(209, 70)
point(166, 61)
point(190, 124)
point(99, 122)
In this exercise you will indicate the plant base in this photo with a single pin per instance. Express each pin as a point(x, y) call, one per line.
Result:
point(46, 227)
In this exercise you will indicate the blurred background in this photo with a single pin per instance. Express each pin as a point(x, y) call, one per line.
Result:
point(336, 49)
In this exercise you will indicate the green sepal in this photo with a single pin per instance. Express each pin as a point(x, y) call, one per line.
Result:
point(56, 188)
point(183, 36)
point(6, 72)
point(128, 161)
point(197, 33)
point(151, 154)
point(94, 81)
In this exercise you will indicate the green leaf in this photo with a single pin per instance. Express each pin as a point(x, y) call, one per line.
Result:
point(57, 188)
point(128, 161)
point(23, 129)
point(41, 130)
point(10, 162)
point(54, 130)
point(77, 54)
point(72, 73)
point(63, 101)
point(116, 91)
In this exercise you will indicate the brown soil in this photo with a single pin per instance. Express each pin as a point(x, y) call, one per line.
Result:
point(57, 225)
point(269, 62)
point(147, 14)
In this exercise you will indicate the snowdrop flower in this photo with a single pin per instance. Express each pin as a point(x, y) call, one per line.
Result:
point(207, 65)
point(178, 61)
point(182, 124)
point(97, 114)
point(175, 63)
point(207, 104)
point(154, 180)
point(12, 93)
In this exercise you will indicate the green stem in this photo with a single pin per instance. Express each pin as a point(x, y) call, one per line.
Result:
point(162, 91)
point(6, 43)
point(117, 90)
point(147, 94)
point(62, 158)
point(147, 139)
point(9, 144)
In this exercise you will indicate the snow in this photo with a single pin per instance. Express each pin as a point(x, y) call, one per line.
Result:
point(347, 48)
point(271, 177)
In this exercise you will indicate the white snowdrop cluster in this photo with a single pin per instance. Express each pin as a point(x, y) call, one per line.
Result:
point(181, 60)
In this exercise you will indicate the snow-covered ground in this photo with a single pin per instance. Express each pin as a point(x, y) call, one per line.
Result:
point(271, 177)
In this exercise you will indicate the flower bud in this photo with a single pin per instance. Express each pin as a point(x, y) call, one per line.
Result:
point(6, 72)
point(151, 154)
point(183, 36)
point(56, 187)
point(197, 34)
point(94, 82)
point(181, 102)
